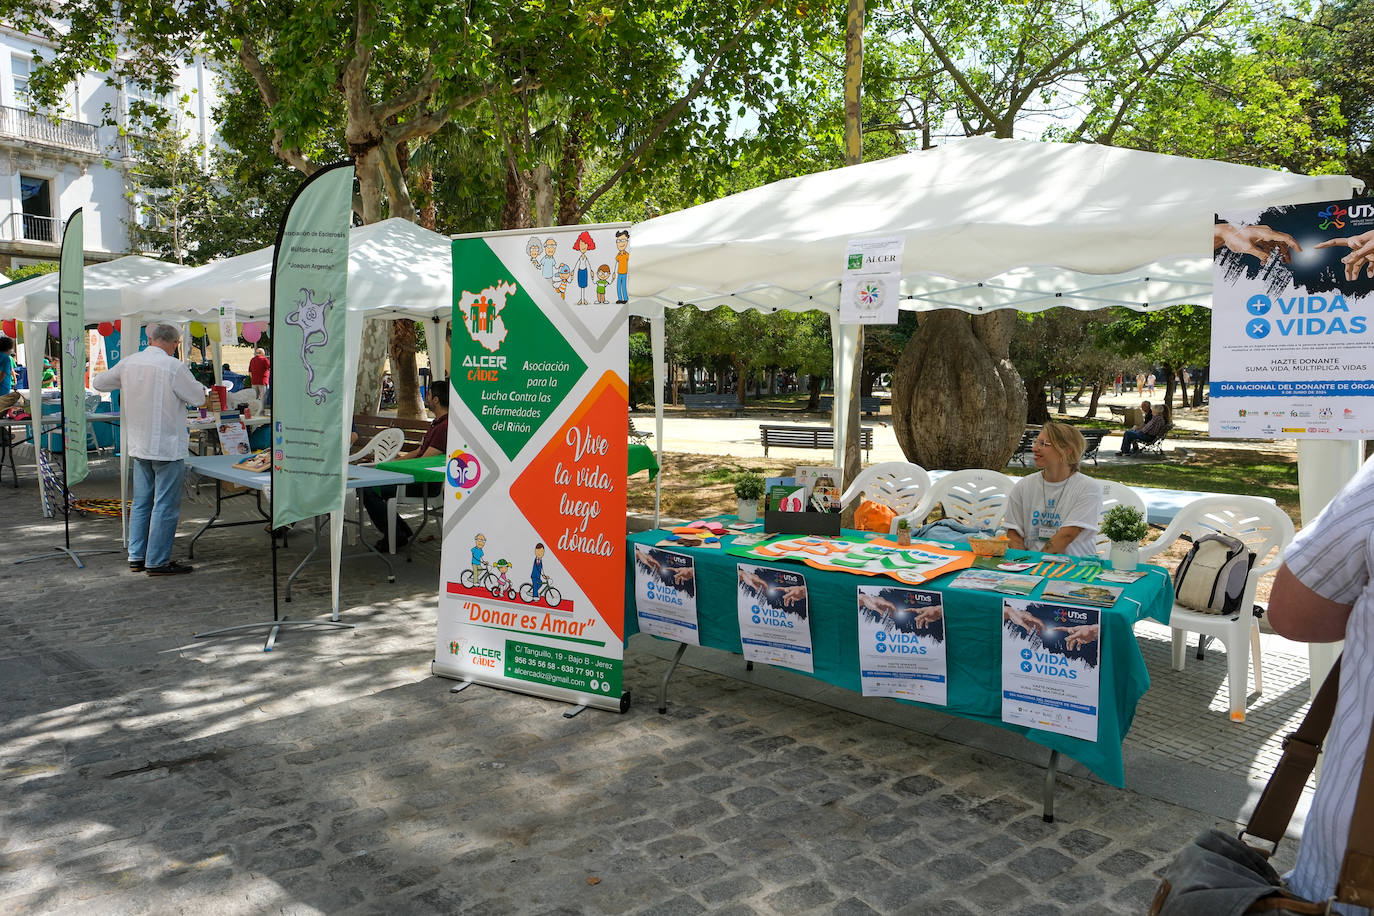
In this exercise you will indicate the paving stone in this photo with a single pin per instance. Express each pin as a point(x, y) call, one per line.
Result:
point(801, 897)
point(1043, 863)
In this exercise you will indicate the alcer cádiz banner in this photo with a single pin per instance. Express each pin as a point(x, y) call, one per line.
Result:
point(1293, 322)
point(533, 570)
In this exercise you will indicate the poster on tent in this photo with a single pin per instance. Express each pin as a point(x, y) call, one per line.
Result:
point(71, 284)
point(870, 286)
point(532, 576)
point(1293, 322)
point(902, 644)
point(1051, 655)
point(309, 377)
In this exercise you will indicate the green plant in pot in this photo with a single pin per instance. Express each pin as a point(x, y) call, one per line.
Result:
point(903, 531)
point(1125, 527)
point(748, 492)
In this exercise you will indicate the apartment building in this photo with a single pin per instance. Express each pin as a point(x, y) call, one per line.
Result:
point(53, 162)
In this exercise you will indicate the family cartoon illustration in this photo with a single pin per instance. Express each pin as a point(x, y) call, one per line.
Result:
point(495, 577)
point(544, 258)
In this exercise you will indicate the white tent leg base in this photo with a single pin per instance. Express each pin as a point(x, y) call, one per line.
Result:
point(273, 627)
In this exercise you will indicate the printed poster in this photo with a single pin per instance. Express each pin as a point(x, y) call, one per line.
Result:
point(774, 618)
point(1292, 328)
point(71, 286)
point(532, 592)
point(233, 438)
point(902, 644)
point(666, 594)
point(310, 376)
point(1051, 656)
point(870, 287)
point(228, 323)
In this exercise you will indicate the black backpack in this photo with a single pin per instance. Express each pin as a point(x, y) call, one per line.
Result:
point(1211, 578)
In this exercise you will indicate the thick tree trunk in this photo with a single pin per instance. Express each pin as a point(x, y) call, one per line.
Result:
point(957, 401)
point(1092, 401)
point(1037, 405)
point(515, 212)
point(570, 170)
point(543, 195)
point(405, 371)
point(813, 392)
point(367, 390)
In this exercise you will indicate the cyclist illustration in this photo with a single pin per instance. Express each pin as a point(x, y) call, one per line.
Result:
point(502, 585)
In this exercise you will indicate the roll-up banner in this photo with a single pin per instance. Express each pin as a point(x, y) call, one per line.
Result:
point(1293, 322)
point(309, 372)
point(533, 570)
point(71, 283)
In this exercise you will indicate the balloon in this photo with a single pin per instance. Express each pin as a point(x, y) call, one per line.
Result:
point(117, 326)
point(212, 331)
point(251, 331)
point(54, 329)
point(105, 328)
point(197, 329)
point(9, 327)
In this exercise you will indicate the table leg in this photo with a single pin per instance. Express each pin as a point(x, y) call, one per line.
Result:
point(663, 688)
point(1050, 772)
point(191, 547)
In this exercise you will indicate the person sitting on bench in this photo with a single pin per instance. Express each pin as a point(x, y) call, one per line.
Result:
point(1152, 429)
point(435, 444)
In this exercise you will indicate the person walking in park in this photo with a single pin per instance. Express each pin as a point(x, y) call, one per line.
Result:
point(259, 372)
point(157, 388)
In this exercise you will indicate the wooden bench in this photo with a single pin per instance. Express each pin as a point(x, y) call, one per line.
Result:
point(868, 406)
point(1118, 410)
point(809, 437)
point(369, 426)
point(1023, 448)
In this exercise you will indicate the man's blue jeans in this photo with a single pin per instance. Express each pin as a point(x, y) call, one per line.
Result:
point(1130, 442)
point(154, 513)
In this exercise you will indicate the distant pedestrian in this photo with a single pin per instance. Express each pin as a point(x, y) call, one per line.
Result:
point(1140, 383)
point(259, 371)
point(1119, 385)
point(1150, 384)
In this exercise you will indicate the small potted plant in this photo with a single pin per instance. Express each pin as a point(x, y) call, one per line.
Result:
point(1124, 526)
point(904, 532)
point(748, 491)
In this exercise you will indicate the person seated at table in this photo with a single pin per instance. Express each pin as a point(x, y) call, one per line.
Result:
point(232, 380)
point(1056, 509)
point(435, 442)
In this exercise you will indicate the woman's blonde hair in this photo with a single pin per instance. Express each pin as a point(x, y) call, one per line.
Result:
point(1068, 440)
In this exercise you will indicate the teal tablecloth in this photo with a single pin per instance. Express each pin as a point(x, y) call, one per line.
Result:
point(973, 629)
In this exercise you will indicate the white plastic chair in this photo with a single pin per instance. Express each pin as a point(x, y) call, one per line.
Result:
point(1264, 528)
point(382, 447)
point(899, 485)
point(976, 497)
point(1116, 494)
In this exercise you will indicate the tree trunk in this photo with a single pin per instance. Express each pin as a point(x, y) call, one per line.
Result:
point(961, 411)
point(367, 390)
point(853, 155)
point(1092, 401)
point(404, 370)
point(570, 169)
point(813, 392)
point(543, 195)
point(515, 211)
point(741, 382)
point(1170, 381)
point(1037, 406)
point(1197, 391)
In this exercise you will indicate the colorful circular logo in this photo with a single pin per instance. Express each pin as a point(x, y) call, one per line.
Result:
point(463, 470)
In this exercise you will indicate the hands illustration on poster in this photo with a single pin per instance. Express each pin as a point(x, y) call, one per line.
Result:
point(1361, 254)
point(1258, 241)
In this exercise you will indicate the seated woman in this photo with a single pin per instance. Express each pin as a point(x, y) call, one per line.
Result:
point(1056, 509)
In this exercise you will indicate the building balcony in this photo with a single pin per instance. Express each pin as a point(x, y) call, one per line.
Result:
point(39, 128)
point(25, 227)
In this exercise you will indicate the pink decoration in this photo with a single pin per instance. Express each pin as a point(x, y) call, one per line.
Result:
point(252, 331)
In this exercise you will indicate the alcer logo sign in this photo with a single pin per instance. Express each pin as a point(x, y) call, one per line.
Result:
point(1299, 316)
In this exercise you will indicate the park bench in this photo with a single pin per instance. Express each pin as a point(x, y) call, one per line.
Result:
point(1094, 439)
point(636, 435)
point(868, 406)
point(1023, 448)
point(369, 426)
point(1118, 410)
point(809, 437)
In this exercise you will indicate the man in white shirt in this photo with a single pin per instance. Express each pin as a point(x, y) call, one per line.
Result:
point(157, 387)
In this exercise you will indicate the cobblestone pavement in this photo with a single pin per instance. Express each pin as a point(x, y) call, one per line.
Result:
point(143, 771)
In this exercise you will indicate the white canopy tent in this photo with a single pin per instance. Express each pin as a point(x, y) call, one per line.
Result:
point(109, 289)
point(396, 269)
point(988, 224)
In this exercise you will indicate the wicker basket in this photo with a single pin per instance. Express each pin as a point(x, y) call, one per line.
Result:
point(988, 547)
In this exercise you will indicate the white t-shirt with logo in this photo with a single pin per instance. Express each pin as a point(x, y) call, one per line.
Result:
point(1038, 509)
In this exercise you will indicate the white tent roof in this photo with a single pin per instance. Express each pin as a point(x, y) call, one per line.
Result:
point(988, 224)
point(395, 268)
point(109, 288)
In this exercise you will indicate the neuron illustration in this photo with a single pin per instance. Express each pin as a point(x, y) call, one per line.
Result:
point(309, 317)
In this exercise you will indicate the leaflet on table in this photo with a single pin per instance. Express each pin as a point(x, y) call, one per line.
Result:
point(991, 580)
point(774, 616)
point(784, 494)
point(911, 564)
point(902, 644)
point(1051, 656)
point(233, 438)
point(822, 485)
point(666, 594)
point(1123, 576)
point(1083, 593)
point(1293, 322)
